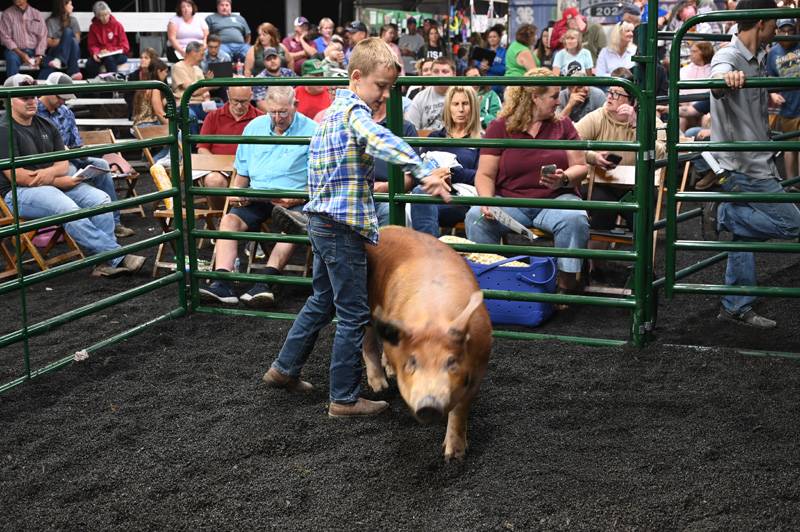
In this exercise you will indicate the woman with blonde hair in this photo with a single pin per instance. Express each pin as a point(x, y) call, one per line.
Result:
point(268, 37)
point(544, 173)
point(618, 53)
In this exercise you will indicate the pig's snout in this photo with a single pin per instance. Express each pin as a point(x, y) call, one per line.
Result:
point(429, 409)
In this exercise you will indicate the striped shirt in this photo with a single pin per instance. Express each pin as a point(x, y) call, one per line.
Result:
point(340, 163)
point(23, 29)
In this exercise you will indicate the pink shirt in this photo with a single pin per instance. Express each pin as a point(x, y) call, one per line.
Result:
point(23, 29)
point(294, 46)
point(186, 32)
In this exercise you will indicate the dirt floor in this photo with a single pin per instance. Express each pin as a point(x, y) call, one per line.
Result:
point(173, 428)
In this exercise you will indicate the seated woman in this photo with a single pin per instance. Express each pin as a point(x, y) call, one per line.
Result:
point(618, 53)
point(148, 105)
point(184, 28)
point(530, 113)
point(108, 44)
point(616, 120)
point(461, 119)
point(63, 41)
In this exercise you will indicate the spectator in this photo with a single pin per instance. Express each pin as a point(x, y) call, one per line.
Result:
point(272, 69)
point(333, 64)
point(233, 30)
point(577, 101)
point(784, 62)
point(389, 36)
point(230, 119)
point(148, 105)
point(356, 32)
point(214, 54)
point(326, 27)
point(186, 72)
point(268, 37)
point(47, 189)
point(263, 166)
point(572, 57)
point(425, 111)
point(618, 53)
point(63, 41)
point(312, 99)
point(140, 74)
point(740, 114)
point(519, 57)
point(494, 37)
point(461, 61)
point(184, 28)
point(593, 35)
point(410, 44)
point(488, 100)
point(699, 68)
point(461, 121)
point(52, 108)
point(296, 46)
point(616, 120)
point(108, 44)
point(632, 13)
point(23, 33)
point(434, 47)
point(543, 53)
point(424, 68)
point(529, 113)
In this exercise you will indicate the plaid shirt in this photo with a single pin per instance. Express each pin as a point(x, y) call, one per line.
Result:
point(340, 163)
point(64, 119)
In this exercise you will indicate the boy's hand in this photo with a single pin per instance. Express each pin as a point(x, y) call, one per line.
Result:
point(436, 183)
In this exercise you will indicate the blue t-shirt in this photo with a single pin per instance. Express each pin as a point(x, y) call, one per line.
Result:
point(786, 64)
point(319, 44)
point(568, 63)
point(275, 165)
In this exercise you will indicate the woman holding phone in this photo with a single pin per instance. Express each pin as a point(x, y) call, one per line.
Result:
point(530, 113)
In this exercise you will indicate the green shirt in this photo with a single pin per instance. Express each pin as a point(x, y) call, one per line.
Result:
point(490, 106)
point(512, 67)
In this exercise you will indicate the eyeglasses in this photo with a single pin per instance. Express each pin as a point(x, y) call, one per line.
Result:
point(238, 102)
point(614, 95)
point(279, 114)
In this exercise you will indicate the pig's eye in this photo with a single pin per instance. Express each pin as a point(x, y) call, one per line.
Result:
point(452, 363)
point(411, 364)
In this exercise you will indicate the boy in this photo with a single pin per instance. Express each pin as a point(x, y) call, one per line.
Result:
point(341, 221)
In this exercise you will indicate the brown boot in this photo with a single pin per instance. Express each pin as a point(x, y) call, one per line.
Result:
point(276, 379)
point(362, 407)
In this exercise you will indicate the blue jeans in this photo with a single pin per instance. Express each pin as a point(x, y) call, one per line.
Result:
point(752, 222)
point(235, 49)
point(570, 228)
point(94, 234)
point(67, 51)
point(111, 63)
point(340, 288)
point(382, 211)
point(13, 61)
point(427, 217)
point(104, 182)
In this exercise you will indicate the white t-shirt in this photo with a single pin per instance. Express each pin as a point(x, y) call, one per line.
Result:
point(564, 61)
point(187, 32)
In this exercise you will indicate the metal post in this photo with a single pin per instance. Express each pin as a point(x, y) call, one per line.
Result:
point(394, 110)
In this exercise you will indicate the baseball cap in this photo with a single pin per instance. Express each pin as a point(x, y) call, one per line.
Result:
point(59, 78)
point(632, 9)
point(571, 12)
point(786, 22)
point(312, 67)
point(269, 51)
point(19, 80)
point(411, 20)
point(356, 26)
point(299, 21)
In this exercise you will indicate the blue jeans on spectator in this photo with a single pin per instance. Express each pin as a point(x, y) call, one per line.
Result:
point(752, 222)
point(427, 217)
point(570, 228)
point(104, 182)
point(382, 211)
point(235, 49)
point(111, 63)
point(340, 288)
point(94, 234)
point(67, 51)
point(13, 61)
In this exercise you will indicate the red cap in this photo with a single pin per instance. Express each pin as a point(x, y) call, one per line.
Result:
point(571, 12)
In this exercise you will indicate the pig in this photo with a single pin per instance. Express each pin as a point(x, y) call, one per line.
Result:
point(428, 310)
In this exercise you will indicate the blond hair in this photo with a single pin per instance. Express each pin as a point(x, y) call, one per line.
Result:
point(572, 33)
point(615, 38)
point(474, 122)
point(518, 104)
point(371, 54)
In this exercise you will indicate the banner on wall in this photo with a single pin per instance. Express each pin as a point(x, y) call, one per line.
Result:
point(375, 18)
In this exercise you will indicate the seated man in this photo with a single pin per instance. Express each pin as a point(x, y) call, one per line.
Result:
point(272, 69)
point(186, 72)
point(263, 166)
point(230, 119)
point(47, 189)
point(576, 101)
point(214, 54)
point(52, 107)
point(23, 33)
point(425, 111)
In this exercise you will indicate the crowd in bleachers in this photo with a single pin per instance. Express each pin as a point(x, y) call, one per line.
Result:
point(222, 45)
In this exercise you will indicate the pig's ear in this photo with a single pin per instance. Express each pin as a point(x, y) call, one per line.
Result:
point(459, 325)
point(389, 330)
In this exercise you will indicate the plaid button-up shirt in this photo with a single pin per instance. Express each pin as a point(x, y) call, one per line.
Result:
point(340, 163)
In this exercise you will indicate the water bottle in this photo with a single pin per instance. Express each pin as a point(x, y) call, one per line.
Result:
point(239, 68)
point(236, 264)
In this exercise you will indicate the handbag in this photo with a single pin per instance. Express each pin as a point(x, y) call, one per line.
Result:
point(538, 276)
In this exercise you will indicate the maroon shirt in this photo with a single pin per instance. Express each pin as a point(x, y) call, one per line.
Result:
point(222, 122)
point(520, 168)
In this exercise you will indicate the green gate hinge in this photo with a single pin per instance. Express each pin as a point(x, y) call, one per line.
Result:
point(646, 327)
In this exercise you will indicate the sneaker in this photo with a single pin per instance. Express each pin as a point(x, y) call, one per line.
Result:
point(259, 296)
point(55, 63)
point(130, 264)
point(710, 227)
point(219, 291)
point(275, 379)
point(289, 221)
point(708, 180)
point(361, 408)
point(749, 319)
point(121, 231)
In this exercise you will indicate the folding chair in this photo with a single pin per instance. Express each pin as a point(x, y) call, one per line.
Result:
point(150, 132)
point(123, 172)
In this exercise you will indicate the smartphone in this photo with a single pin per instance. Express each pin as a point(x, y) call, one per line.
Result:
point(614, 158)
point(549, 169)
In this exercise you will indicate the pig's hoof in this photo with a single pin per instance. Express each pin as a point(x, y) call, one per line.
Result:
point(454, 450)
point(378, 384)
point(387, 367)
